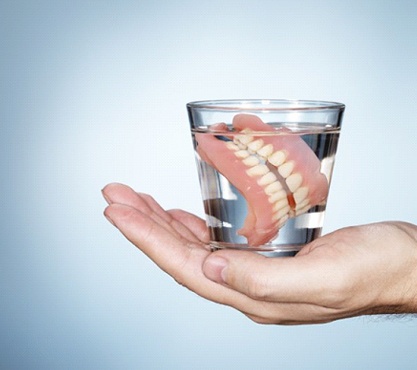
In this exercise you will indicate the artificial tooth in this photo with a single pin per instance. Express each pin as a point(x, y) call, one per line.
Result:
point(247, 131)
point(266, 150)
point(277, 158)
point(232, 146)
point(273, 188)
point(256, 145)
point(244, 139)
point(302, 210)
point(267, 179)
point(242, 154)
point(275, 197)
point(283, 203)
point(251, 161)
point(303, 204)
point(281, 213)
point(282, 221)
point(294, 181)
point(257, 170)
point(286, 169)
point(300, 194)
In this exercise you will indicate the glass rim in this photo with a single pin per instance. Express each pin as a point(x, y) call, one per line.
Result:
point(278, 105)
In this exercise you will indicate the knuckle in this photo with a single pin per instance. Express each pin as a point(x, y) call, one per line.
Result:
point(257, 287)
point(339, 293)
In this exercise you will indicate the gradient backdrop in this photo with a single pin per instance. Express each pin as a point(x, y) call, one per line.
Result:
point(95, 91)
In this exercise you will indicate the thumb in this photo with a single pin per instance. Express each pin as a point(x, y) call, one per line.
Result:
point(246, 272)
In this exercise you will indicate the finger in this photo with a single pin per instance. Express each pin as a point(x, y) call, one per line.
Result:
point(161, 245)
point(175, 224)
point(182, 261)
point(122, 194)
point(287, 279)
point(195, 224)
point(294, 314)
point(184, 264)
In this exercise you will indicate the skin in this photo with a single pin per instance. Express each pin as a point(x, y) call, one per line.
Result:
point(361, 270)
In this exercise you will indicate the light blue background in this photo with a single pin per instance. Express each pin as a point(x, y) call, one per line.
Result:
point(94, 92)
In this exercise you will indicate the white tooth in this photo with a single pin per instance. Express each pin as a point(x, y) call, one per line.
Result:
point(281, 213)
point(242, 154)
point(303, 204)
point(258, 170)
point(282, 221)
point(273, 188)
point(266, 151)
point(300, 194)
point(244, 139)
point(247, 131)
point(277, 158)
point(251, 161)
point(240, 145)
point(267, 179)
point(303, 210)
point(283, 203)
point(232, 146)
point(286, 169)
point(275, 197)
point(294, 181)
point(256, 145)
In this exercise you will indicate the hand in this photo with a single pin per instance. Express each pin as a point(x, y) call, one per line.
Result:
point(369, 269)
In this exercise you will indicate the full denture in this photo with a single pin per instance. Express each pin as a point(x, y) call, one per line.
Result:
point(281, 176)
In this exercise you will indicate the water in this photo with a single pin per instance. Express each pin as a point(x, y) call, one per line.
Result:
point(226, 186)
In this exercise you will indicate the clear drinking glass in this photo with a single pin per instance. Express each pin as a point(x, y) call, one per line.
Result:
point(265, 168)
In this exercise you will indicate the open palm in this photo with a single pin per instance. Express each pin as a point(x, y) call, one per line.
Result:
point(354, 271)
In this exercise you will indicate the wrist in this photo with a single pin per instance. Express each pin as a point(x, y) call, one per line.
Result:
point(409, 282)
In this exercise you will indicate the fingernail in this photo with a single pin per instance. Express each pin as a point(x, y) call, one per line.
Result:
point(215, 269)
point(105, 197)
point(109, 219)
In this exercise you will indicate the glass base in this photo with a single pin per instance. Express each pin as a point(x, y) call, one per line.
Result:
point(268, 250)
